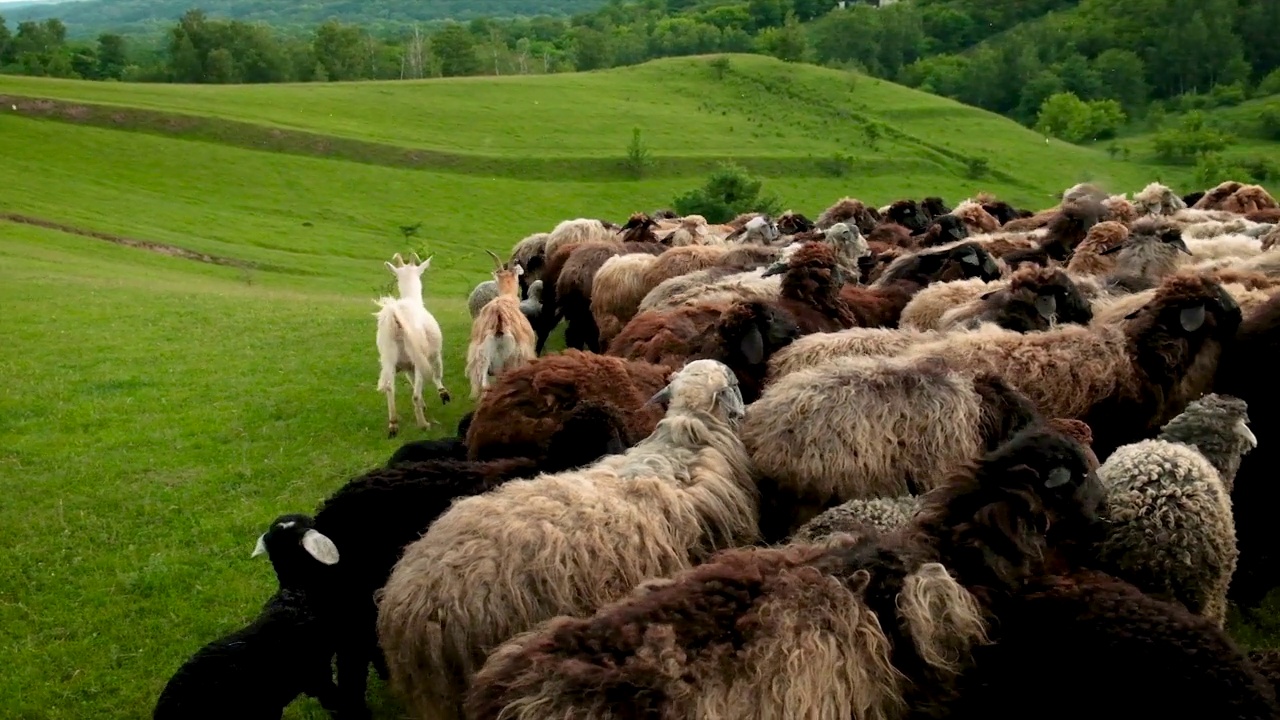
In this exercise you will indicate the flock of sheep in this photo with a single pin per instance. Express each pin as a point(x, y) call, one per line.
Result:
point(899, 462)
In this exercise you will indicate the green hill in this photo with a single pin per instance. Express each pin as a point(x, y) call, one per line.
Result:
point(159, 411)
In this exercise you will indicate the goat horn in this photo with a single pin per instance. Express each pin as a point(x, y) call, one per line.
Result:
point(416, 261)
point(497, 261)
point(398, 260)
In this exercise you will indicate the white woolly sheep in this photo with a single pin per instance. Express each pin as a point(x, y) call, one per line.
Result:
point(1171, 532)
point(880, 515)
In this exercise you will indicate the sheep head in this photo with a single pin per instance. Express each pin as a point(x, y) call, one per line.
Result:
point(706, 386)
point(907, 214)
point(1166, 335)
point(1218, 427)
point(1037, 299)
point(934, 207)
point(748, 334)
point(1157, 199)
point(976, 217)
point(958, 262)
point(1025, 508)
point(813, 271)
point(298, 552)
point(849, 245)
point(791, 223)
point(945, 229)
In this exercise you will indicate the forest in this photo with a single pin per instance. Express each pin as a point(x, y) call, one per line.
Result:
point(1076, 70)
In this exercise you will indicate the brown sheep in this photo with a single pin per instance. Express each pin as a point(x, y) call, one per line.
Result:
point(1093, 256)
point(1065, 231)
point(572, 297)
point(1124, 381)
point(498, 563)
point(882, 303)
point(501, 337)
point(1249, 199)
point(742, 335)
point(1036, 299)
point(523, 409)
point(1213, 199)
point(976, 218)
point(616, 290)
point(849, 210)
point(874, 628)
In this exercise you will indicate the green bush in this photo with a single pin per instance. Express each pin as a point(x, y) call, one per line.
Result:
point(728, 192)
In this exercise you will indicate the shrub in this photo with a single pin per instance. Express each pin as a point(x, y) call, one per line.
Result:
point(1190, 139)
point(638, 158)
point(728, 192)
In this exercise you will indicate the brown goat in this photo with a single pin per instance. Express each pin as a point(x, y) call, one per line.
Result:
point(501, 336)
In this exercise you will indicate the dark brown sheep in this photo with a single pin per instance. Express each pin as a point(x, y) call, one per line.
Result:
point(881, 304)
point(1066, 230)
point(934, 207)
point(573, 282)
point(525, 407)
point(1245, 371)
point(1214, 198)
point(1035, 300)
point(873, 628)
point(944, 229)
point(811, 283)
point(908, 214)
point(891, 233)
point(742, 335)
point(849, 210)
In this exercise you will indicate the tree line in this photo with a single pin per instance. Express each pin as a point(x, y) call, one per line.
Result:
point(1077, 70)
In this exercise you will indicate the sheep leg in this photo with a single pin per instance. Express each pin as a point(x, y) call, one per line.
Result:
point(353, 680)
point(437, 377)
point(419, 406)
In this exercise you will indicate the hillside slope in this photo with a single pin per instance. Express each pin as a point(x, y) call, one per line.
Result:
point(780, 119)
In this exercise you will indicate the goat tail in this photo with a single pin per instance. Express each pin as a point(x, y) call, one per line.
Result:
point(388, 346)
point(414, 340)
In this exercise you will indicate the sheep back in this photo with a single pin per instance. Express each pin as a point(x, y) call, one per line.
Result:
point(1171, 533)
point(524, 407)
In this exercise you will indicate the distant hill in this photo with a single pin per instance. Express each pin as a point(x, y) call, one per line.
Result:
point(87, 17)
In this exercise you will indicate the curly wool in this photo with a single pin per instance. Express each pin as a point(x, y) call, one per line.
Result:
point(1171, 533)
point(860, 517)
point(566, 543)
point(820, 348)
point(927, 307)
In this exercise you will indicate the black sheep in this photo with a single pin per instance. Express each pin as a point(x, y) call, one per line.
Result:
point(450, 448)
point(1246, 364)
point(934, 207)
point(945, 229)
point(255, 672)
point(373, 517)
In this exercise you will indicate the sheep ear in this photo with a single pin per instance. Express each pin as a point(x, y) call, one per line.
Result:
point(519, 270)
point(261, 547)
point(957, 232)
point(753, 346)
point(1181, 245)
point(662, 397)
point(1114, 248)
point(320, 547)
point(1046, 305)
point(1058, 477)
point(987, 295)
point(1242, 429)
point(1192, 318)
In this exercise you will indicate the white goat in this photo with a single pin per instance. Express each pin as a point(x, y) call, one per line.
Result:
point(409, 338)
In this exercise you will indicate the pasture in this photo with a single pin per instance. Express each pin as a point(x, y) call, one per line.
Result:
point(159, 411)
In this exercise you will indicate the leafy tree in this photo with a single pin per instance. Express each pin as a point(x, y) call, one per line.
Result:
point(788, 42)
point(1269, 123)
point(112, 55)
point(1066, 116)
point(1190, 139)
point(337, 49)
point(220, 67)
point(728, 192)
point(1122, 76)
point(455, 50)
point(1270, 85)
point(7, 53)
point(766, 13)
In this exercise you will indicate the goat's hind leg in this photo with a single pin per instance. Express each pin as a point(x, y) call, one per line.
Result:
point(419, 406)
point(437, 377)
point(387, 384)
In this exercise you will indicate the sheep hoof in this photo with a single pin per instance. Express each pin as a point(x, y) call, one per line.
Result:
point(445, 397)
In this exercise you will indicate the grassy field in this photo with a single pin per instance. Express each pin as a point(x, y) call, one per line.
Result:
point(1241, 122)
point(158, 412)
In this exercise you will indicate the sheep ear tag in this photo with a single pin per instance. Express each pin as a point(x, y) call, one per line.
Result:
point(1242, 428)
point(1058, 477)
point(1192, 318)
point(753, 346)
point(261, 547)
point(971, 258)
point(320, 547)
point(1046, 305)
point(957, 232)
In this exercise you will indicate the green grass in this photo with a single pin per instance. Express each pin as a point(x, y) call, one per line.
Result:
point(1242, 122)
point(787, 120)
point(158, 412)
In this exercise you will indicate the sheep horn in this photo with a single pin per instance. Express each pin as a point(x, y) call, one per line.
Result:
point(497, 261)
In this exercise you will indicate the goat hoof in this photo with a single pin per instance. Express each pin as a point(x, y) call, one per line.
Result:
point(445, 397)
point(392, 431)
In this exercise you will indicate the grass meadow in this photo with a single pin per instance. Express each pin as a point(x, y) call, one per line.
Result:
point(158, 412)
